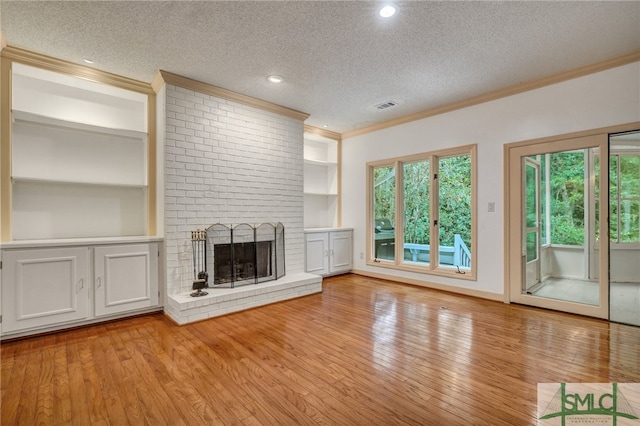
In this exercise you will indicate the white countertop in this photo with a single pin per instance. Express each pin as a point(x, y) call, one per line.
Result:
point(78, 242)
point(312, 230)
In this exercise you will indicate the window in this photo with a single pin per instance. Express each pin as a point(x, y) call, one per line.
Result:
point(454, 211)
point(416, 210)
point(384, 189)
point(422, 212)
point(624, 194)
point(567, 191)
point(558, 194)
point(624, 198)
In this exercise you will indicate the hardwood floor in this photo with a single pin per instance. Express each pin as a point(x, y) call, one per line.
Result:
point(363, 352)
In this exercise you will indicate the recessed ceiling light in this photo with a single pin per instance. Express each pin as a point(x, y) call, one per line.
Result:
point(388, 11)
point(87, 60)
point(275, 78)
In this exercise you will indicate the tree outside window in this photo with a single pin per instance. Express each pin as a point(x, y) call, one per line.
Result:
point(567, 189)
point(624, 198)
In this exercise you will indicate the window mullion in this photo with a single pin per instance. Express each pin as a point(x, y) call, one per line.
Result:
point(618, 190)
point(434, 257)
point(399, 219)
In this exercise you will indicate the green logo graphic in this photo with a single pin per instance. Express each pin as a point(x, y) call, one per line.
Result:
point(578, 406)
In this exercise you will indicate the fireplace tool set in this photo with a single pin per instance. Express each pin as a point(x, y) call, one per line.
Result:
point(198, 241)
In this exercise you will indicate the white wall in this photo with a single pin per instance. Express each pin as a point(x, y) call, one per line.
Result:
point(603, 99)
point(228, 163)
point(569, 262)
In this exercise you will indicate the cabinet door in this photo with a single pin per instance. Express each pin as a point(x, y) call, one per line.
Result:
point(44, 287)
point(317, 253)
point(126, 278)
point(341, 254)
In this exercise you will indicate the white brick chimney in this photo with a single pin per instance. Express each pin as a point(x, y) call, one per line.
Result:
point(228, 163)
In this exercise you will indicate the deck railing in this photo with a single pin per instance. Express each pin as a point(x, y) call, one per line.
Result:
point(458, 255)
point(461, 253)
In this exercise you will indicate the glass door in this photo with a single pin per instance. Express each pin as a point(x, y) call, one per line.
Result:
point(624, 227)
point(550, 189)
point(531, 221)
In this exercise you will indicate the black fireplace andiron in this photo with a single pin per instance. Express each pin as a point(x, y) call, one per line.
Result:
point(200, 275)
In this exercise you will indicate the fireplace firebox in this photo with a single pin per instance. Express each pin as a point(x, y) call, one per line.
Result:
point(240, 254)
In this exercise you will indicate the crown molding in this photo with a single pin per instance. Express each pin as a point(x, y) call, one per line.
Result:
point(503, 93)
point(65, 67)
point(322, 132)
point(158, 82)
point(218, 92)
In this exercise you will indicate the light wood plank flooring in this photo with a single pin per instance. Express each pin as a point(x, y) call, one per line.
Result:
point(363, 352)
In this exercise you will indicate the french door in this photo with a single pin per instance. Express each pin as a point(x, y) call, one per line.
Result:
point(531, 223)
point(532, 279)
point(624, 227)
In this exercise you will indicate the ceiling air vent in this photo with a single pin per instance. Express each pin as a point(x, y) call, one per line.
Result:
point(385, 105)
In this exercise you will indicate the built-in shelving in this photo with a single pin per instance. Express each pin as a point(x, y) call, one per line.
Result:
point(78, 196)
point(78, 158)
point(321, 181)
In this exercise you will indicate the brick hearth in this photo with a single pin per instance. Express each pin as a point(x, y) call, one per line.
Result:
point(185, 309)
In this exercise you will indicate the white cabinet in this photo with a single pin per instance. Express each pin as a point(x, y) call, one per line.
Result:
point(125, 277)
point(340, 252)
point(321, 181)
point(328, 252)
point(52, 288)
point(44, 287)
point(317, 253)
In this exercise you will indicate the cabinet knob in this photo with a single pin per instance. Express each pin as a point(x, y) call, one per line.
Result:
point(80, 285)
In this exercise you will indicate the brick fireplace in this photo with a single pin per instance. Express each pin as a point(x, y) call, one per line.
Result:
point(226, 162)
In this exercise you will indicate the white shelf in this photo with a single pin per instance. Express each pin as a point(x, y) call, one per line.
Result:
point(320, 180)
point(319, 162)
point(330, 229)
point(46, 150)
point(320, 210)
point(18, 116)
point(44, 181)
point(321, 194)
point(55, 211)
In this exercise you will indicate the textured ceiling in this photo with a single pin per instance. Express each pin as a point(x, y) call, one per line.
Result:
point(339, 58)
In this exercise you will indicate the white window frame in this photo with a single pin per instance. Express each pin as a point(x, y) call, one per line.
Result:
point(618, 244)
point(433, 267)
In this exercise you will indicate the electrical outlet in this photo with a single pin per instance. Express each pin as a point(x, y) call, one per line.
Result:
point(361, 255)
point(491, 207)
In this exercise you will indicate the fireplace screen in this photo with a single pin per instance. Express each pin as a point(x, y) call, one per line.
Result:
point(244, 254)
